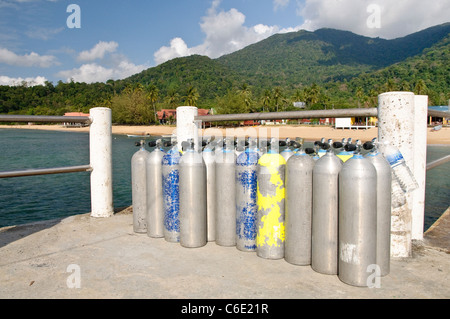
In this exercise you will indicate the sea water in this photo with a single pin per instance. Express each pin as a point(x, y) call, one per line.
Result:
point(37, 198)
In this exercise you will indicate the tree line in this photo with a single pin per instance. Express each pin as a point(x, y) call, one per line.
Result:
point(136, 103)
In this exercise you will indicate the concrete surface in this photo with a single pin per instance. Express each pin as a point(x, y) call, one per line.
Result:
point(103, 258)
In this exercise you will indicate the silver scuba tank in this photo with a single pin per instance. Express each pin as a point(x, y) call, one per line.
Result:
point(193, 205)
point(155, 203)
point(321, 150)
point(343, 154)
point(226, 195)
point(298, 213)
point(288, 151)
point(357, 220)
point(384, 183)
point(210, 162)
point(324, 231)
point(139, 188)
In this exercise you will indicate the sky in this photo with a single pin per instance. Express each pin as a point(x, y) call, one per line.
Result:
point(97, 40)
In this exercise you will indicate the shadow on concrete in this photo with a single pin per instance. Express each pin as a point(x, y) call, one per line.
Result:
point(13, 233)
point(10, 234)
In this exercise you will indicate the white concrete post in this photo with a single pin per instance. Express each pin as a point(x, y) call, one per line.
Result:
point(396, 125)
point(420, 164)
point(186, 126)
point(100, 147)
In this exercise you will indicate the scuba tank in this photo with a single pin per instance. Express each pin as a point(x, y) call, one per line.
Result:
point(287, 152)
point(241, 144)
point(210, 162)
point(246, 187)
point(297, 144)
point(343, 154)
point(139, 188)
point(384, 182)
point(357, 220)
point(312, 151)
point(321, 147)
point(193, 209)
point(299, 173)
point(155, 203)
point(171, 194)
point(324, 229)
point(226, 195)
point(263, 146)
point(270, 201)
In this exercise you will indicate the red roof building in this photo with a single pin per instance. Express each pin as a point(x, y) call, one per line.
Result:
point(76, 114)
point(165, 114)
point(68, 124)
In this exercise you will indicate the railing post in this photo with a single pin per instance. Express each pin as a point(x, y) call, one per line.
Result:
point(186, 125)
point(420, 164)
point(100, 148)
point(396, 125)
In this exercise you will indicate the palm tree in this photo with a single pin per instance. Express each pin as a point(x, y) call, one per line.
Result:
point(390, 85)
point(405, 86)
point(298, 96)
point(277, 96)
point(192, 96)
point(359, 95)
point(152, 95)
point(172, 98)
point(312, 94)
point(420, 88)
point(267, 99)
point(246, 93)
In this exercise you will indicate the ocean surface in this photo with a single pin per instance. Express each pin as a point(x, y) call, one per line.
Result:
point(29, 199)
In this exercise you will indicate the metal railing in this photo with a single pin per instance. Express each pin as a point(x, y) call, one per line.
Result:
point(294, 115)
point(46, 171)
point(45, 119)
point(361, 112)
point(338, 113)
point(369, 112)
point(100, 140)
point(438, 162)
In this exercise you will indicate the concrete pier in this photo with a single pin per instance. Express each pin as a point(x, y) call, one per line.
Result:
point(86, 257)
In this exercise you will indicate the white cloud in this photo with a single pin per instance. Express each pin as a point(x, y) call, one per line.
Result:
point(43, 33)
point(280, 4)
point(6, 80)
point(88, 73)
point(397, 18)
point(27, 60)
point(225, 33)
point(98, 51)
point(93, 72)
point(110, 65)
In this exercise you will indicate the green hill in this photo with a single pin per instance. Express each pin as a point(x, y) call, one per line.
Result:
point(295, 61)
point(326, 68)
point(302, 58)
point(209, 77)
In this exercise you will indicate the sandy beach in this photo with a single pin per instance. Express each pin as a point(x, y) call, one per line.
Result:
point(309, 133)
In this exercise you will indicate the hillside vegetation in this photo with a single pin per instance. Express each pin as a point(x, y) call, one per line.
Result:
point(325, 69)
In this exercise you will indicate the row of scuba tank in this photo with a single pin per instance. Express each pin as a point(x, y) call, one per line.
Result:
point(327, 206)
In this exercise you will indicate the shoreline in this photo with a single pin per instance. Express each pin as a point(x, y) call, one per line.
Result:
point(309, 133)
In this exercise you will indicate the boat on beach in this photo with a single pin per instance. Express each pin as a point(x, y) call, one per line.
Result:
point(139, 135)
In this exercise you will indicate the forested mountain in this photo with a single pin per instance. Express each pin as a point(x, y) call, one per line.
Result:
point(302, 58)
point(209, 77)
point(326, 69)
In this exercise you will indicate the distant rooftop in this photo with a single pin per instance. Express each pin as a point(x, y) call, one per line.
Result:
point(441, 108)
